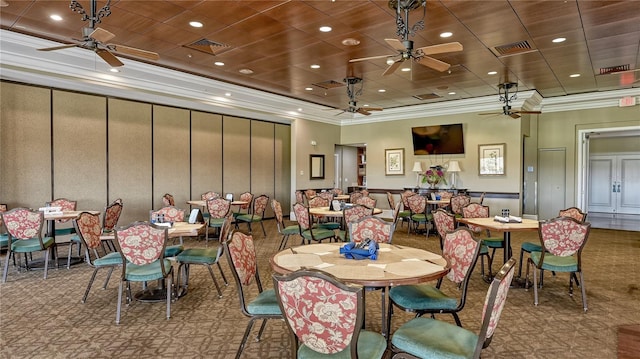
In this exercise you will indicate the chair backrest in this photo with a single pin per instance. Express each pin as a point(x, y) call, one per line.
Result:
point(23, 223)
point(241, 255)
point(171, 214)
point(364, 192)
point(167, 200)
point(417, 204)
point(573, 212)
point(111, 216)
point(404, 198)
point(277, 210)
point(88, 228)
point(493, 304)
point(302, 294)
point(299, 197)
point(3, 208)
point(218, 207)
point(458, 202)
point(260, 205)
point(336, 191)
point(445, 222)
point(444, 195)
point(396, 214)
point(371, 227)
point(142, 243)
point(367, 201)
point(302, 216)
point(326, 195)
point(310, 193)
point(356, 212)
point(391, 200)
point(209, 195)
point(461, 251)
point(563, 236)
point(355, 196)
point(64, 204)
point(246, 197)
point(475, 210)
point(318, 201)
point(482, 197)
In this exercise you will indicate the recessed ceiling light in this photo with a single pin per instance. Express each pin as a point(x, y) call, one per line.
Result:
point(299, 110)
point(446, 34)
point(228, 94)
point(325, 28)
point(55, 17)
point(315, 66)
point(350, 41)
point(113, 69)
point(559, 39)
point(492, 72)
point(405, 69)
point(195, 23)
point(219, 63)
point(366, 105)
point(452, 93)
point(245, 71)
point(308, 88)
point(382, 90)
point(574, 75)
point(390, 61)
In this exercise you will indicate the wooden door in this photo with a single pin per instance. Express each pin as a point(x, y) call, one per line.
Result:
point(612, 180)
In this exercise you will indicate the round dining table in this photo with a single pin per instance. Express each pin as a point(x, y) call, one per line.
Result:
point(395, 265)
point(326, 212)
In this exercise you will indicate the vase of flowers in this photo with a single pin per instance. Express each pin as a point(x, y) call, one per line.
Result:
point(433, 176)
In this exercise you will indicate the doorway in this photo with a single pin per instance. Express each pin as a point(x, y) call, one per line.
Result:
point(613, 184)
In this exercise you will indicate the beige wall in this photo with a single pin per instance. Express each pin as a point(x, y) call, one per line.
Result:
point(326, 137)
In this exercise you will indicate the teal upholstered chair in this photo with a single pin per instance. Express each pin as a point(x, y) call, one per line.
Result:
point(88, 229)
point(4, 237)
point(207, 196)
point(430, 338)
point(241, 255)
point(256, 215)
point(109, 222)
point(246, 197)
point(336, 333)
point(352, 214)
point(419, 215)
point(285, 230)
point(24, 229)
point(399, 215)
point(461, 251)
point(405, 215)
point(170, 214)
point(203, 256)
point(305, 225)
point(167, 200)
point(458, 202)
point(65, 205)
point(217, 210)
point(562, 240)
point(476, 210)
point(142, 247)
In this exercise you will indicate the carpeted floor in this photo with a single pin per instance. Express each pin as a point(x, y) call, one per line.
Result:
point(45, 319)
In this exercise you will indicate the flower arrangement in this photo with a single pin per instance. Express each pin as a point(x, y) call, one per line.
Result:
point(434, 175)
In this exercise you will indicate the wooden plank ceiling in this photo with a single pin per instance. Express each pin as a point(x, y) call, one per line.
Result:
point(280, 40)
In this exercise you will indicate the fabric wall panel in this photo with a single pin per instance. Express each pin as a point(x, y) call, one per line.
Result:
point(262, 161)
point(236, 155)
point(25, 145)
point(206, 153)
point(282, 156)
point(80, 149)
point(171, 155)
point(130, 167)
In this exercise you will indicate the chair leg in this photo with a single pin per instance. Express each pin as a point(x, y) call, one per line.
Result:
point(283, 242)
point(6, 264)
point(535, 287)
point(457, 319)
point(520, 263)
point(224, 278)
point(244, 338)
point(69, 255)
point(264, 323)
point(106, 281)
point(119, 302)
point(86, 292)
point(46, 262)
point(215, 282)
point(263, 230)
point(584, 292)
point(169, 292)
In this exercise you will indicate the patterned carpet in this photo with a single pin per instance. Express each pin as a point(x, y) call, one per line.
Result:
point(45, 319)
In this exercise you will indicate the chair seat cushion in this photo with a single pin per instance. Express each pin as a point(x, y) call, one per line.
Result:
point(370, 345)
point(216, 222)
point(493, 242)
point(531, 247)
point(110, 259)
point(249, 218)
point(31, 245)
point(329, 225)
point(419, 217)
point(342, 235)
point(152, 271)
point(430, 338)
point(198, 255)
point(265, 303)
point(404, 214)
point(484, 250)
point(555, 263)
point(422, 297)
point(64, 231)
point(291, 230)
point(4, 240)
point(172, 251)
point(318, 233)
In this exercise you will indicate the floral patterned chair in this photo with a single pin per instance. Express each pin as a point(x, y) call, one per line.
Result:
point(458, 202)
point(283, 229)
point(444, 195)
point(326, 317)
point(461, 251)
point(109, 222)
point(167, 200)
point(88, 228)
point(244, 208)
point(142, 247)
point(241, 256)
point(355, 196)
point(4, 237)
point(24, 229)
point(257, 213)
point(405, 214)
point(476, 210)
point(429, 338)
point(310, 193)
point(203, 256)
point(209, 195)
point(65, 205)
point(306, 227)
point(218, 208)
point(562, 240)
point(367, 201)
point(419, 215)
point(171, 214)
point(370, 227)
point(352, 214)
point(299, 197)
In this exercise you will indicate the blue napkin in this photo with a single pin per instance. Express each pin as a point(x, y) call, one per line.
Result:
point(351, 251)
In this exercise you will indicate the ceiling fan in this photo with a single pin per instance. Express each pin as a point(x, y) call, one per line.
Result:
point(96, 38)
point(507, 97)
point(352, 92)
point(405, 47)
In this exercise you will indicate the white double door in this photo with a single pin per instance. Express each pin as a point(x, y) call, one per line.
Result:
point(614, 184)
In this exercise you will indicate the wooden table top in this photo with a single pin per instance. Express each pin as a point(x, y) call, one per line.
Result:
point(179, 229)
point(66, 215)
point(325, 212)
point(203, 203)
point(439, 201)
point(490, 223)
point(396, 265)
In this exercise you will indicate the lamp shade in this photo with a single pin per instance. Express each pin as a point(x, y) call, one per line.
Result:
point(417, 167)
point(453, 167)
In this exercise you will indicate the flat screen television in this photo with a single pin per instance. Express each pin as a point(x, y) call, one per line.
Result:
point(438, 140)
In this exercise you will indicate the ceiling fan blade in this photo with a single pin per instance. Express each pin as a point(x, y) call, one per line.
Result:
point(371, 58)
point(527, 112)
point(441, 48)
point(363, 111)
point(149, 55)
point(392, 68)
point(374, 108)
point(58, 47)
point(109, 58)
point(396, 44)
point(490, 113)
point(513, 115)
point(101, 35)
point(433, 63)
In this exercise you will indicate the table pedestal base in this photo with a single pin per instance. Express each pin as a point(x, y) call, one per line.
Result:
point(153, 295)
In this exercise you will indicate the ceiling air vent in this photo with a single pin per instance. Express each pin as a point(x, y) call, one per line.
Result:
point(330, 84)
point(614, 69)
point(515, 48)
point(208, 46)
point(427, 96)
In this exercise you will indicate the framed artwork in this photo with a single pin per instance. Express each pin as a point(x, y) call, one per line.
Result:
point(394, 162)
point(316, 170)
point(492, 159)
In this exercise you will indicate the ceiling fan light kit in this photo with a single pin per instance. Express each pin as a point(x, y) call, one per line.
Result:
point(507, 97)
